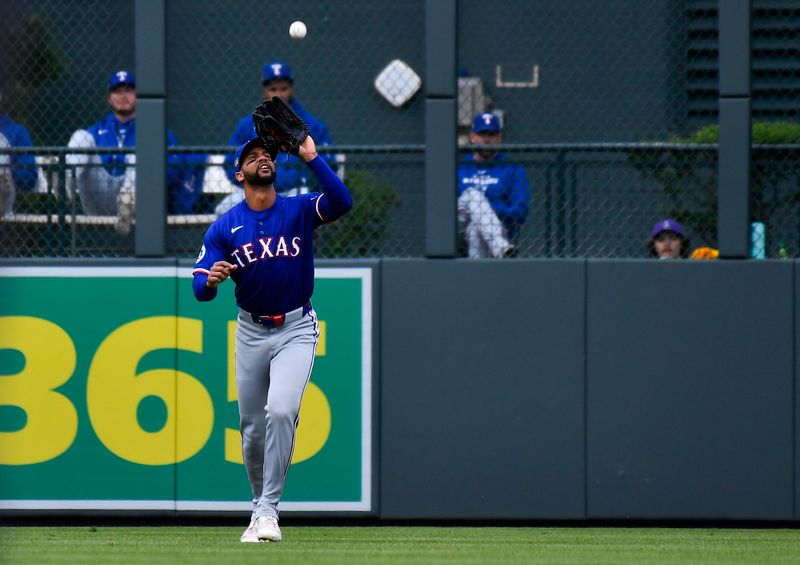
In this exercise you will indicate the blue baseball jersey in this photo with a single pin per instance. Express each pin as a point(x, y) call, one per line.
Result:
point(23, 167)
point(184, 172)
point(273, 249)
point(505, 185)
point(292, 169)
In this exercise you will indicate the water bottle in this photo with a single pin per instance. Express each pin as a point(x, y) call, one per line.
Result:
point(758, 240)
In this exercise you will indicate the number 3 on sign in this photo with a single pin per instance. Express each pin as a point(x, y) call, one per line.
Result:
point(49, 363)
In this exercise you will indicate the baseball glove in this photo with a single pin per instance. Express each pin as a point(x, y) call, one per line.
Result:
point(275, 120)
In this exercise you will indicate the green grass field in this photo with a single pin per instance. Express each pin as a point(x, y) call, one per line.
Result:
point(389, 545)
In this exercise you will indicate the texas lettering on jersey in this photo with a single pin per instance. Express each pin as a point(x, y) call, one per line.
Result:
point(267, 249)
point(479, 180)
point(274, 267)
point(264, 248)
point(272, 250)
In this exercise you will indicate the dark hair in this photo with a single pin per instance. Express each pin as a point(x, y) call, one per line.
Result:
point(269, 81)
point(685, 244)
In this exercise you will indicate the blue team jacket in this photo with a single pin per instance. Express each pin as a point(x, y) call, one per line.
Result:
point(184, 172)
point(23, 167)
point(505, 185)
point(292, 171)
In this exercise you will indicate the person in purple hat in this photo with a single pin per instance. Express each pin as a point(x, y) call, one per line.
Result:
point(668, 240)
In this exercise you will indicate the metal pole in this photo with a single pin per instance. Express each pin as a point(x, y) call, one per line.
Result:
point(151, 128)
point(440, 128)
point(735, 130)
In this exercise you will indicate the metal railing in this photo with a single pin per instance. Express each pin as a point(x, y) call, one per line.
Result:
point(589, 200)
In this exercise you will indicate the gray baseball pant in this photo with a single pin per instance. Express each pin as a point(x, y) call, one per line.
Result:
point(273, 366)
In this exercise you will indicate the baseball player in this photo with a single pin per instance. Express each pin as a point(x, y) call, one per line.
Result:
point(105, 182)
point(265, 245)
point(493, 194)
point(277, 80)
point(17, 172)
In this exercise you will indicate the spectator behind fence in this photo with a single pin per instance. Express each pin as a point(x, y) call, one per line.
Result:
point(668, 240)
point(493, 194)
point(277, 80)
point(106, 182)
point(17, 172)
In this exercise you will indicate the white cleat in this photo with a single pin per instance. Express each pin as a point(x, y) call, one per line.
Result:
point(267, 528)
point(250, 535)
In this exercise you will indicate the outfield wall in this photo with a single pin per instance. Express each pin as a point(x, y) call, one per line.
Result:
point(524, 389)
point(588, 389)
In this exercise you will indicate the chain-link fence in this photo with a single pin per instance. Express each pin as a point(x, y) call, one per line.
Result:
point(594, 105)
point(609, 109)
point(775, 188)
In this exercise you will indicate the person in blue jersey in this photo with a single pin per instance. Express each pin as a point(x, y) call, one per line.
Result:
point(265, 245)
point(277, 80)
point(106, 182)
point(493, 194)
point(18, 172)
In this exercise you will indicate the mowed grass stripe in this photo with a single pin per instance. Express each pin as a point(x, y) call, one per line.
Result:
point(400, 545)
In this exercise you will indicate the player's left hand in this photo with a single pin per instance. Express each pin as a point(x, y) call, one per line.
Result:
point(274, 119)
point(307, 150)
point(220, 271)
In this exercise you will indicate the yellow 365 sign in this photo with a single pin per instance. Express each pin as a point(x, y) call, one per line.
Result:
point(114, 390)
point(123, 388)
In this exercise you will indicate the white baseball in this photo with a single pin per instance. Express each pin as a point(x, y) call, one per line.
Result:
point(297, 30)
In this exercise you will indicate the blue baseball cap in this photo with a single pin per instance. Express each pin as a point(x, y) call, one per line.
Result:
point(486, 122)
point(668, 225)
point(244, 148)
point(121, 77)
point(276, 70)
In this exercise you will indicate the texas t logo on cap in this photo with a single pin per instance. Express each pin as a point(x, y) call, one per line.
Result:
point(121, 77)
point(486, 122)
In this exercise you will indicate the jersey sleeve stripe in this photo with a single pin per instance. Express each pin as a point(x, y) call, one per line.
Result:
point(200, 271)
point(316, 204)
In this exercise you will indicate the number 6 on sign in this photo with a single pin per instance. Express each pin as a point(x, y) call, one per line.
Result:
point(114, 391)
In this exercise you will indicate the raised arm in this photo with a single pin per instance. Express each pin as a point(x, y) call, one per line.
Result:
point(336, 199)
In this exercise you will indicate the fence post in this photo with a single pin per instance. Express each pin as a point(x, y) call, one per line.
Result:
point(559, 199)
point(440, 128)
point(151, 127)
point(735, 129)
point(61, 205)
